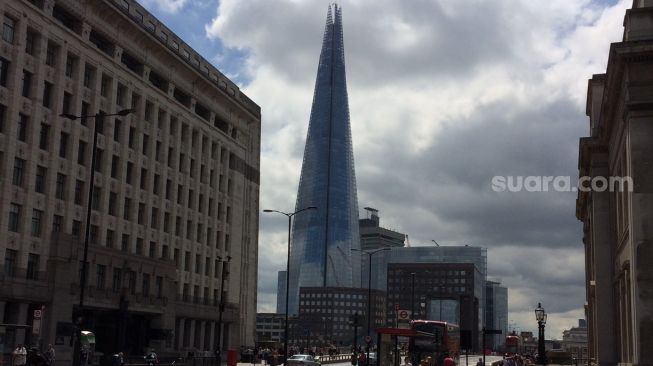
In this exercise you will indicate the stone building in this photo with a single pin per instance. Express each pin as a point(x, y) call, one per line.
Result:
point(574, 341)
point(270, 328)
point(175, 191)
point(617, 232)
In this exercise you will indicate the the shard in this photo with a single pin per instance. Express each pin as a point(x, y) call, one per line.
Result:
point(322, 239)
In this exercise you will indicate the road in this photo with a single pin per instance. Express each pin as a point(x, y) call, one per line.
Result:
point(472, 361)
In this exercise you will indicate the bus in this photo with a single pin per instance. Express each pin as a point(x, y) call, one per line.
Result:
point(512, 344)
point(434, 339)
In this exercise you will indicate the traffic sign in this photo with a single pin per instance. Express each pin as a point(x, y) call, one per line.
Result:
point(404, 314)
point(368, 339)
point(38, 314)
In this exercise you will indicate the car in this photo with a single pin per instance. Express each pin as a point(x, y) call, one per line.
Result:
point(304, 360)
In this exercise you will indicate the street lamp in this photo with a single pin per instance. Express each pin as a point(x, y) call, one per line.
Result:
point(98, 120)
point(223, 276)
point(369, 293)
point(540, 316)
point(412, 296)
point(289, 215)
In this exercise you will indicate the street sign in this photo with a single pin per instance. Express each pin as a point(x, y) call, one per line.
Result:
point(38, 314)
point(404, 314)
point(368, 339)
point(492, 331)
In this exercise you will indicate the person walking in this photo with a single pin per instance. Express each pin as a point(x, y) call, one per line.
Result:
point(19, 355)
point(407, 361)
point(480, 362)
point(151, 359)
point(448, 361)
point(50, 355)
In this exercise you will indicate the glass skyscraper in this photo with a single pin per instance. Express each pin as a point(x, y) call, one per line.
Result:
point(322, 239)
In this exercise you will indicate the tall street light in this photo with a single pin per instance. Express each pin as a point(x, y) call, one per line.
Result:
point(369, 294)
point(98, 120)
point(223, 275)
point(540, 316)
point(289, 215)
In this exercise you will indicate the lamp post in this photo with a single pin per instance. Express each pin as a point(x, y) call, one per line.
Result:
point(412, 296)
point(540, 316)
point(223, 275)
point(79, 317)
point(289, 215)
point(369, 294)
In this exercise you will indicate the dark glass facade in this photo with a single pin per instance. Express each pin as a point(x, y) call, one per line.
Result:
point(322, 239)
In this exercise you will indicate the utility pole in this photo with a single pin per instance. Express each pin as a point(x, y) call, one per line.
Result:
point(354, 322)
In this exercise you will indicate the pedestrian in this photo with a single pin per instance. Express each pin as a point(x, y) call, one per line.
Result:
point(20, 355)
point(151, 359)
point(50, 355)
point(407, 362)
point(448, 361)
point(480, 362)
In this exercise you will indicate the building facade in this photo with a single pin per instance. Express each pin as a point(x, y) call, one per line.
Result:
point(574, 341)
point(322, 239)
point(176, 186)
point(617, 233)
point(325, 315)
point(450, 292)
point(374, 237)
point(496, 313)
point(270, 328)
point(281, 292)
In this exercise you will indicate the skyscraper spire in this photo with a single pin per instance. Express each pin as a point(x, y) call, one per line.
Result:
point(322, 240)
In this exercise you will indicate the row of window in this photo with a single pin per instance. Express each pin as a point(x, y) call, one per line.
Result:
point(14, 225)
point(126, 279)
point(11, 264)
point(305, 295)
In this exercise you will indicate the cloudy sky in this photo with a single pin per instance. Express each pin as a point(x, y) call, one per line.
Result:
point(444, 95)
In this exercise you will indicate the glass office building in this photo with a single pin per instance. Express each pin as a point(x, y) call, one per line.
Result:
point(322, 239)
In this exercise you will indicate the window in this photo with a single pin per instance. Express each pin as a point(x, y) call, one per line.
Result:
point(132, 134)
point(166, 222)
point(187, 261)
point(39, 185)
point(65, 108)
point(4, 70)
point(79, 191)
point(198, 263)
point(71, 63)
point(89, 75)
point(81, 153)
point(128, 172)
point(19, 171)
point(148, 111)
point(139, 246)
point(165, 252)
point(8, 29)
point(99, 153)
point(146, 140)
point(92, 236)
point(152, 249)
point(158, 287)
point(180, 193)
point(168, 189)
point(117, 280)
point(189, 229)
point(127, 209)
point(104, 85)
point(84, 119)
point(30, 40)
point(27, 84)
point(60, 186)
point(37, 216)
point(124, 245)
point(63, 145)
point(141, 213)
point(121, 92)
point(57, 222)
point(10, 262)
point(100, 276)
point(47, 94)
point(50, 54)
point(155, 188)
point(14, 217)
point(115, 160)
point(116, 130)
point(154, 223)
point(143, 178)
point(113, 198)
point(96, 197)
point(23, 124)
point(77, 228)
point(207, 266)
point(157, 151)
point(178, 226)
point(146, 285)
point(3, 113)
point(110, 239)
point(32, 266)
point(44, 136)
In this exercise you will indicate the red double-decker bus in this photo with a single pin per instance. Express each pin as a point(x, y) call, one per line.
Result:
point(512, 344)
point(435, 339)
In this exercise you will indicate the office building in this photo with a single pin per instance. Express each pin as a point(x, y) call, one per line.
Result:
point(325, 315)
point(496, 313)
point(281, 292)
point(374, 237)
point(616, 215)
point(269, 329)
point(175, 191)
point(450, 292)
point(322, 239)
point(574, 341)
